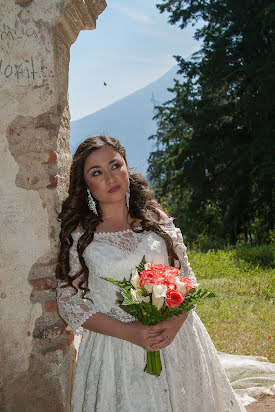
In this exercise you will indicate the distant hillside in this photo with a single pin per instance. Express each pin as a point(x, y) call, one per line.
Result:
point(129, 120)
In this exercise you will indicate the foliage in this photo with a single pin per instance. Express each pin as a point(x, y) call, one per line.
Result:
point(212, 166)
point(148, 314)
point(263, 255)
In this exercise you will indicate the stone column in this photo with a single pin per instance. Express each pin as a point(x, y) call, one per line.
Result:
point(37, 356)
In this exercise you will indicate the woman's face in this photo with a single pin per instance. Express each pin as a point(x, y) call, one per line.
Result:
point(106, 174)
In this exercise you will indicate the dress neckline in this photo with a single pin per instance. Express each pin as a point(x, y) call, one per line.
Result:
point(110, 232)
point(162, 222)
point(117, 231)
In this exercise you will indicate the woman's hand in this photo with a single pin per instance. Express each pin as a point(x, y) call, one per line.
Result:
point(142, 335)
point(152, 338)
point(167, 331)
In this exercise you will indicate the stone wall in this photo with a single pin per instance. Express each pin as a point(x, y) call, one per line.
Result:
point(37, 355)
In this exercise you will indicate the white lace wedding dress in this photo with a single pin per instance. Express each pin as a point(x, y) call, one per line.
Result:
point(109, 375)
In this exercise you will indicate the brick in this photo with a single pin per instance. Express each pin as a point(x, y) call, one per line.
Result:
point(50, 306)
point(53, 181)
point(43, 283)
point(52, 158)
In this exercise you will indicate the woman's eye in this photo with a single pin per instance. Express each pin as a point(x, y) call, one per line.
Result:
point(96, 173)
point(116, 166)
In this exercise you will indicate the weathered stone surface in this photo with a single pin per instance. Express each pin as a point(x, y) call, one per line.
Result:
point(22, 2)
point(36, 356)
point(49, 331)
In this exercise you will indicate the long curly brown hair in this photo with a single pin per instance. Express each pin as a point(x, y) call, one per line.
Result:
point(75, 212)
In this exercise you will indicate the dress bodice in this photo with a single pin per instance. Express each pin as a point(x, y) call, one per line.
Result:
point(115, 254)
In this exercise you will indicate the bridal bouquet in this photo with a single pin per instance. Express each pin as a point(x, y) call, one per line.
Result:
point(155, 293)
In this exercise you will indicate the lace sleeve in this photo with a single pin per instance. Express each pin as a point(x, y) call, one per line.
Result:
point(180, 248)
point(71, 306)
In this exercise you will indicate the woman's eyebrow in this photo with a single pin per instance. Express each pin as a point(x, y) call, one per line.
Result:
point(98, 167)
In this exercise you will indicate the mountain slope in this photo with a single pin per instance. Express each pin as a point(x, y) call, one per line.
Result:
point(129, 120)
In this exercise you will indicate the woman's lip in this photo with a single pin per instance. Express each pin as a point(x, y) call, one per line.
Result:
point(114, 189)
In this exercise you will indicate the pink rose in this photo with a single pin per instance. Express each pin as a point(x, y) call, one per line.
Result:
point(188, 283)
point(170, 270)
point(158, 268)
point(174, 298)
point(148, 276)
point(169, 281)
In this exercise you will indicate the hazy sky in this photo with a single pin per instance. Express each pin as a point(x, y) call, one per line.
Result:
point(132, 46)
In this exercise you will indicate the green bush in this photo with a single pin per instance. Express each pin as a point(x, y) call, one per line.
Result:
point(263, 255)
point(204, 243)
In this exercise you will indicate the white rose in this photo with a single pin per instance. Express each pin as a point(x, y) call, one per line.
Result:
point(138, 297)
point(158, 295)
point(181, 287)
point(149, 287)
point(135, 278)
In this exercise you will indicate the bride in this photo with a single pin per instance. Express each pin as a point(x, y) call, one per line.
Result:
point(109, 221)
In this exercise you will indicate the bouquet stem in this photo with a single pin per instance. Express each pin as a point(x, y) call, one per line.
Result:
point(153, 365)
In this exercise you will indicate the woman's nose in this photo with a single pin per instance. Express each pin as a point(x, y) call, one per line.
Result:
point(109, 176)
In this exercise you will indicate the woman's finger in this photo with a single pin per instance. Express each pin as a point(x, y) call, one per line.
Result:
point(158, 327)
point(160, 339)
point(155, 333)
point(162, 344)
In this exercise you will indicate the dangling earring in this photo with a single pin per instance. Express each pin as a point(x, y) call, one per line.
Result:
point(127, 198)
point(91, 202)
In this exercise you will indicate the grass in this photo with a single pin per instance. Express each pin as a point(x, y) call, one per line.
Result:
point(241, 318)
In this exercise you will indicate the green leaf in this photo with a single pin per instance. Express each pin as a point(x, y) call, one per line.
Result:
point(123, 284)
point(141, 265)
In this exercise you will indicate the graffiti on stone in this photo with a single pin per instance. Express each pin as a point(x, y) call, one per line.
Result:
point(14, 33)
point(22, 69)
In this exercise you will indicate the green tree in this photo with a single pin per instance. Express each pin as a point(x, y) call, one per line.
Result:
point(213, 161)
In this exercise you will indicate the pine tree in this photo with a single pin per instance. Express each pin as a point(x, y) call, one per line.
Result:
point(213, 162)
